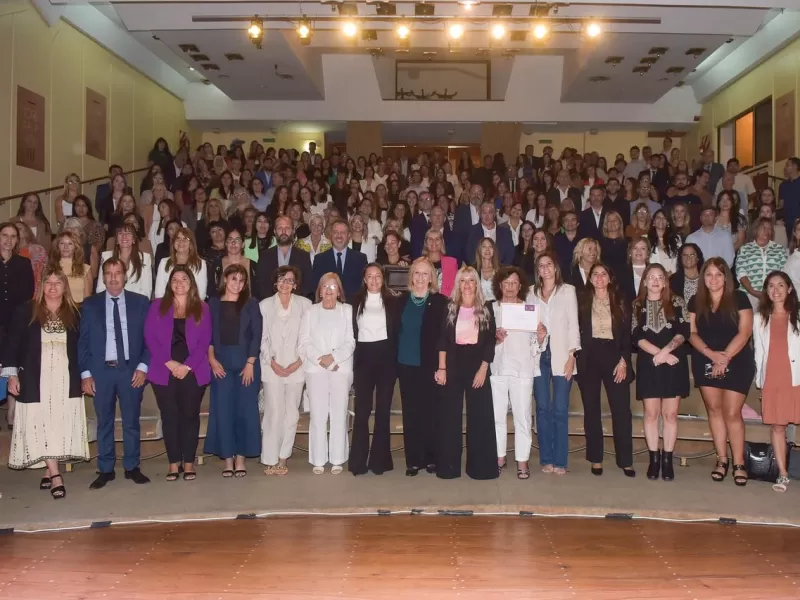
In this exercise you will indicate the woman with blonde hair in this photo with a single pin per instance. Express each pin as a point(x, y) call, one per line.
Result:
point(613, 245)
point(30, 212)
point(40, 358)
point(212, 213)
point(326, 345)
point(641, 221)
point(72, 189)
point(91, 255)
point(466, 350)
point(587, 253)
point(66, 254)
point(445, 267)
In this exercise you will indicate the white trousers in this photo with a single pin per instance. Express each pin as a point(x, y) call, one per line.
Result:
point(520, 393)
point(279, 423)
point(328, 396)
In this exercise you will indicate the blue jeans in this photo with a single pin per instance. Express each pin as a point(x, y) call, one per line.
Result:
point(552, 413)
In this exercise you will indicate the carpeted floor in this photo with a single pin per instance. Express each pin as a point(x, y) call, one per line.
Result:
point(691, 495)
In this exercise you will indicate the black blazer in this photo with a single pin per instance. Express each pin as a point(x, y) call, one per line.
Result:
point(432, 319)
point(354, 264)
point(554, 196)
point(486, 341)
point(621, 343)
point(267, 265)
point(588, 227)
point(23, 350)
point(575, 279)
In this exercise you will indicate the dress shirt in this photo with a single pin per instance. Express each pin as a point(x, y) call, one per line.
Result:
point(476, 216)
point(143, 285)
point(372, 320)
point(283, 259)
point(336, 256)
point(717, 242)
point(744, 186)
point(490, 233)
point(111, 340)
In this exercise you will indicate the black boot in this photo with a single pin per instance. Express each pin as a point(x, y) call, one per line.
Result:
point(667, 472)
point(655, 464)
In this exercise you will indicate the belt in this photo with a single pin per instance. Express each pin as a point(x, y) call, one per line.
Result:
point(112, 364)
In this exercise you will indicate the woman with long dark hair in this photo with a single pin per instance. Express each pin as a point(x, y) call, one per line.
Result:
point(721, 321)
point(234, 431)
point(687, 275)
point(605, 358)
point(660, 328)
point(374, 366)
point(776, 338)
point(664, 242)
point(260, 237)
point(177, 332)
point(466, 350)
point(40, 358)
point(30, 212)
point(138, 264)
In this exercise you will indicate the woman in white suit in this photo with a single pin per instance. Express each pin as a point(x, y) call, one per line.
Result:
point(139, 276)
point(326, 347)
point(558, 311)
point(281, 368)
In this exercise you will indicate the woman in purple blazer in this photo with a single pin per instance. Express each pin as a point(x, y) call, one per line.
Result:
point(178, 333)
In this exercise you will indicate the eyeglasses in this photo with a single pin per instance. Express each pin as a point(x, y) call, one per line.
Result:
point(330, 286)
point(286, 281)
point(234, 240)
point(655, 278)
point(181, 238)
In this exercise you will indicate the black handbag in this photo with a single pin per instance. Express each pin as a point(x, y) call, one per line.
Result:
point(760, 461)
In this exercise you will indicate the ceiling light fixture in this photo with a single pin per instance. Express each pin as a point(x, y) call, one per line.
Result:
point(350, 29)
point(191, 68)
point(304, 32)
point(540, 31)
point(498, 31)
point(455, 31)
point(256, 31)
point(403, 31)
point(593, 29)
point(468, 4)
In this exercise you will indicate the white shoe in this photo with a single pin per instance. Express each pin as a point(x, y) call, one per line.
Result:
point(336, 469)
point(318, 470)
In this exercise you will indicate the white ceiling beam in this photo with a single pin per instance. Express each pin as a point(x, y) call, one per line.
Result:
point(774, 36)
point(666, 3)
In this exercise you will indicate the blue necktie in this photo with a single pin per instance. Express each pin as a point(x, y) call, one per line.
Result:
point(339, 263)
point(118, 333)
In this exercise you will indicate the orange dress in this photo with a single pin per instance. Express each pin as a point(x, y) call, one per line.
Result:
point(780, 400)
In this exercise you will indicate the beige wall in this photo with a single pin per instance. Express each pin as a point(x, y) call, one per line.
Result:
point(605, 143)
point(364, 137)
point(501, 137)
point(59, 63)
point(776, 77)
point(284, 139)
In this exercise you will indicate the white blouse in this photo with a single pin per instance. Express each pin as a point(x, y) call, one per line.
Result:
point(143, 285)
point(518, 354)
point(162, 277)
point(372, 320)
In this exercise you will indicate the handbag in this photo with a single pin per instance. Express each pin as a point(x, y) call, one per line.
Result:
point(759, 459)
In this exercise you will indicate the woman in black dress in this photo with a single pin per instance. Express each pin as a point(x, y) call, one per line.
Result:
point(660, 329)
point(723, 366)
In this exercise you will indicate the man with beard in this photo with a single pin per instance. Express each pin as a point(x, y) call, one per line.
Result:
point(616, 201)
point(283, 253)
point(682, 192)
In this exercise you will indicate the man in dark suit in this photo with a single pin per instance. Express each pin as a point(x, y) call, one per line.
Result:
point(102, 195)
point(113, 359)
point(659, 178)
point(591, 222)
point(483, 175)
point(562, 190)
point(714, 169)
point(616, 201)
point(420, 224)
point(487, 227)
point(348, 264)
point(283, 253)
point(466, 217)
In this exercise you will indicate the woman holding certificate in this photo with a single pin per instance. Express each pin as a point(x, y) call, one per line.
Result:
point(516, 363)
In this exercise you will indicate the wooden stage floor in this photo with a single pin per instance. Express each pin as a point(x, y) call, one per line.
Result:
point(405, 557)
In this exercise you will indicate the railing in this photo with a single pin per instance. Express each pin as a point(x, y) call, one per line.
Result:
point(61, 187)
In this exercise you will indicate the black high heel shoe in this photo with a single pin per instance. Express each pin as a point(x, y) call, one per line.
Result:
point(412, 471)
point(722, 463)
point(597, 471)
point(667, 469)
point(655, 465)
point(58, 492)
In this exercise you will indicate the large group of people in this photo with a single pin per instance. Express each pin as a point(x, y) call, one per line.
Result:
point(264, 275)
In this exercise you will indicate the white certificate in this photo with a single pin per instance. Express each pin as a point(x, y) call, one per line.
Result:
point(519, 317)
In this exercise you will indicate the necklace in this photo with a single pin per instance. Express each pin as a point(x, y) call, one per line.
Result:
point(419, 301)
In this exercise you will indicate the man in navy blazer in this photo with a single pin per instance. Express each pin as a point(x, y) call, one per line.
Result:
point(113, 360)
point(466, 217)
point(594, 215)
point(488, 227)
point(348, 264)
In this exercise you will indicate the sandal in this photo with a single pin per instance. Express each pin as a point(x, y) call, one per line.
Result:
point(58, 492)
point(173, 476)
point(560, 471)
point(189, 475)
point(336, 469)
point(270, 470)
point(740, 480)
point(239, 473)
point(227, 473)
point(318, 470)
point(548, 469)
point(523, 473)
point(45, 484)
point(722, 463)
point(500, 467)
point(781, 483)
point(281, 470)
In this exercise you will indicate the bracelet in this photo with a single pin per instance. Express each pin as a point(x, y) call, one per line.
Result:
point(441, 369)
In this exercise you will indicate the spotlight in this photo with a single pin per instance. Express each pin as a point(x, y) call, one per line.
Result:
point(468, 4)
point(540, 31)
point(498, 31)
point(455, 31)
point(256, 31)
point(403, 31)
point(304, 32)
point(350, 29)
point(593, 29)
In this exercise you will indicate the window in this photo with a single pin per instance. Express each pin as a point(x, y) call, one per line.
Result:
point(752, 136)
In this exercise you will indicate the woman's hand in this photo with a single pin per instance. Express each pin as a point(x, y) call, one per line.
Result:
point(180, 371)
point(541, 333)
point(440, 377)
point(247, 374)
point(13, 385)
point(671, 359)
point(277, 369)
point(500, 335)
point(620, 371)
point(569, 367)
point(325, 361)
point(217, 368)
point(480, 376)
